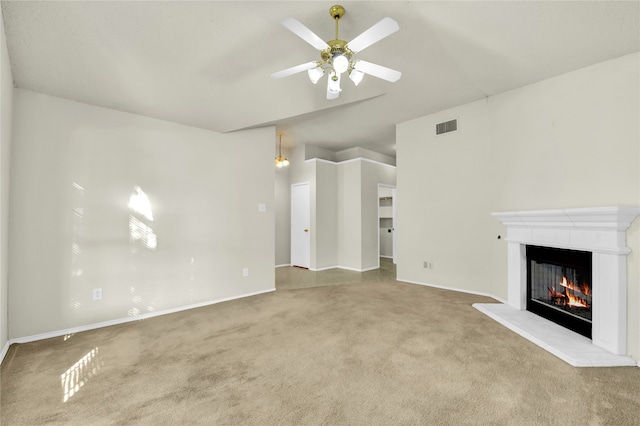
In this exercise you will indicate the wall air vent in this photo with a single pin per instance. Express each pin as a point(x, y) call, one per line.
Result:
point(446, 127)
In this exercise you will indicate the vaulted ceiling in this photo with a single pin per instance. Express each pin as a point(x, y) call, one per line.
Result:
point(207, 63)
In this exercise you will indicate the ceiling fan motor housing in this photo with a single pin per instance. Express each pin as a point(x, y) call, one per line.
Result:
point(336, 48)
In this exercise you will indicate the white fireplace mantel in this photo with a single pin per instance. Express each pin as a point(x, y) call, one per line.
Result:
point(600, 230)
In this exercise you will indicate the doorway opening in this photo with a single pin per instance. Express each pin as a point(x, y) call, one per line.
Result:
point(387, 222)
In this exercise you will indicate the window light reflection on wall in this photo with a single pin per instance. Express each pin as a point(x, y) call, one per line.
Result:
point(139, 202)
point(140, 233)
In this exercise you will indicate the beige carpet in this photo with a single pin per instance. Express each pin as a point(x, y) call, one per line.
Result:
point(380, 353)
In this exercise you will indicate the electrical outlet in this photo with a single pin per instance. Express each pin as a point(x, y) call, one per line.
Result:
point(245, 272)
point(97, 294)
point(427, 265)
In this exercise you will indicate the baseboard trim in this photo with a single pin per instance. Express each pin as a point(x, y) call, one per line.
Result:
point(58, 333)
point(323, 269)
point(370, 269)
point(283, 265)
point(346, 268)
point(460, 290)
point(387, 257)
point(358, 270)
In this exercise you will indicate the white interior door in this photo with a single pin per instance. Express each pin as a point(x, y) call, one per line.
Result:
point(300, 225)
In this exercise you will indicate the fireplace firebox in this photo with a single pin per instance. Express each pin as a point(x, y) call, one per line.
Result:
point(559, 286)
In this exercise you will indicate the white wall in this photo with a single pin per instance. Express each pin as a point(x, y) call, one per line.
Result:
point(326, 213)
point(349, 193)
point(6, 112)
point(74, 169)
point(569, 141)
point(283, 215)
point(323, 216)
point(358, 203)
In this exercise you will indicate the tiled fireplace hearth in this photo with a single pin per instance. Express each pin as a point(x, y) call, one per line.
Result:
point(599, 230)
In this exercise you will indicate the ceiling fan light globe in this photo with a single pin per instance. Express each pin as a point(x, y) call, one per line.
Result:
point(334, 83)
point(315, 74)
point(340, 64)
point(356, 76)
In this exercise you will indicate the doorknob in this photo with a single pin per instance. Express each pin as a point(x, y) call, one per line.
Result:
point(306, 230)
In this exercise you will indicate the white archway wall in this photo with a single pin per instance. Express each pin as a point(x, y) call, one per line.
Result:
point(344, 209)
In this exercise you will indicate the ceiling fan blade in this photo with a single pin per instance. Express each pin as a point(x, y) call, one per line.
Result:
point(377, 32)
point(305, 33)
point(378, 71)
point(294, 70)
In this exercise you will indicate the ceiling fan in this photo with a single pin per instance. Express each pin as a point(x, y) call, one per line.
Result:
point(336, 55)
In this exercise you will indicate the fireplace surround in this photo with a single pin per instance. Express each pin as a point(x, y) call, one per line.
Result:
point(599, 230)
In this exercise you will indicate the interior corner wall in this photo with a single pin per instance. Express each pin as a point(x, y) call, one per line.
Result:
point(349, 196)
point(357, 206)
point(149, 211)
point(326, 215)
point(6, 118)
point(566, 142)
point(283, 216)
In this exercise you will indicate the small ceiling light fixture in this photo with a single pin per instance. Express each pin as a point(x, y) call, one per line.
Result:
point(340, 64)
point(281, 161)
point(356, 76)
point(315, 74)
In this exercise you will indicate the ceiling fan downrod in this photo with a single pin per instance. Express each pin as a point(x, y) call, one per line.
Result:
point(337, 47)
point(336, 13)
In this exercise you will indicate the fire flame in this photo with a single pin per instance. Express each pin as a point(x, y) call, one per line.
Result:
point(568, 296)
point(576, 302)
point(583, 288)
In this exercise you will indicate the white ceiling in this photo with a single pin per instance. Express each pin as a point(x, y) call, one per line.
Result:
point(207, 63)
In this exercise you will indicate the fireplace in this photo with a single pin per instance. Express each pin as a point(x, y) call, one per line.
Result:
point(559, 286)
point(600, 231)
